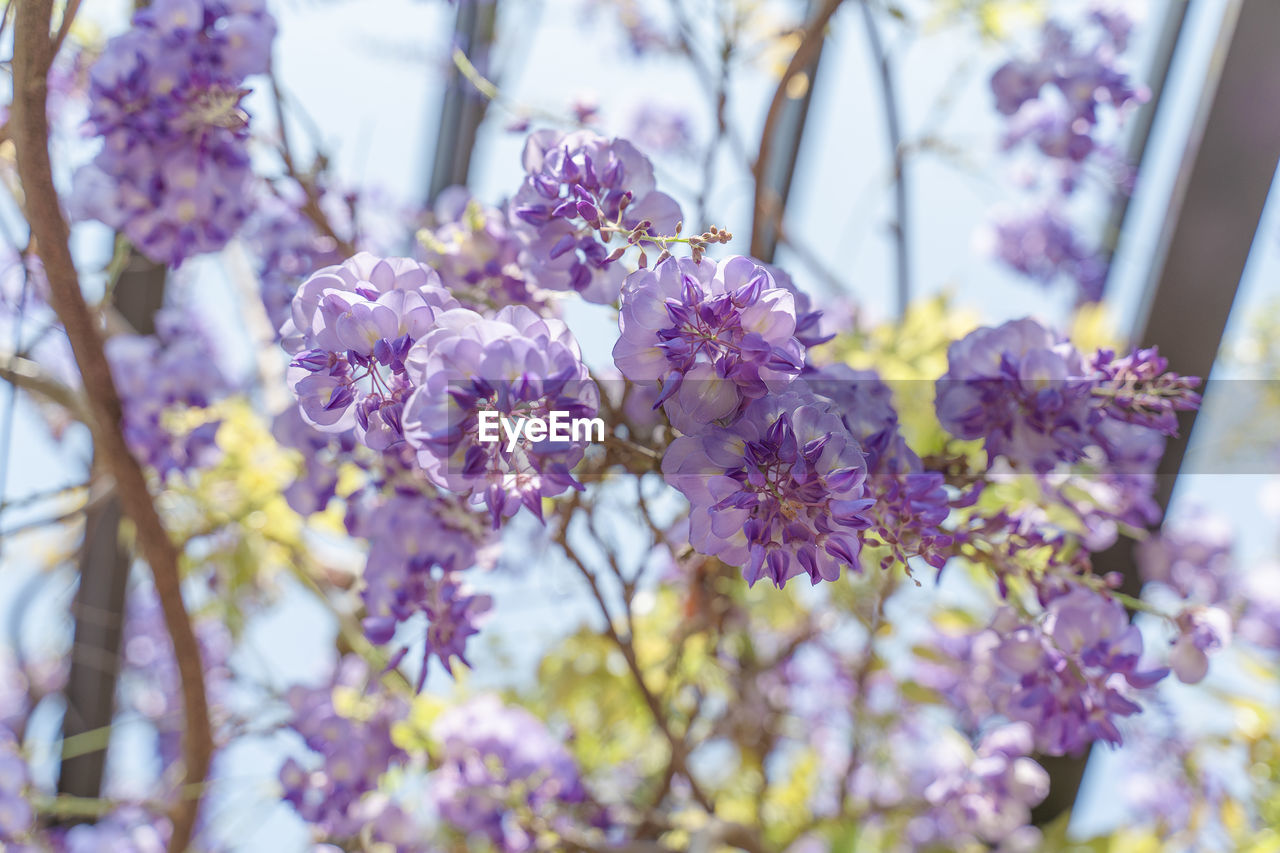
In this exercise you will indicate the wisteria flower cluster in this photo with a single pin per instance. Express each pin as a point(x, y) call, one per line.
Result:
point(420, 545)
point(513, 366)
point(173, 171)
point(734, 434)
point(1033, 400)
point(987, 796)
point(350, 332)
point(476, 251)
point(289, 248)
point(158, 375)
point(1057, 103)
point(581, 191)
point(780, 493)
point(350, 737)
point(714, 335)
point(1068, 674)
point(502, 774)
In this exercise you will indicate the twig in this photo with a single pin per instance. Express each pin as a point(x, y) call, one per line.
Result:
point(893, 127)
point(64, 27)
point(31, 377)
point(625, 645)
point(814, 33)
point(311, 205)
point(33, 55)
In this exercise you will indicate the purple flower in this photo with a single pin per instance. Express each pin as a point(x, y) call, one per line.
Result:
point(714, 336)
point(321, 454)
point(910, 503)
point(155, 374)
point(1201, 631)
point(986, 794)
point(288, 248)
point(127, 829)
point(1193, 558)
point(1259, 623)
point(476, 251)
point(497, 763)
point(662, 129)
point(1086, 76)
point(1032, 398)
point(1066, 674)
point(778, 493)
point(350, 333)
point(1044, 246)
point(173, 172)
point(1140, 389)
point(418, 547)
point(503, 370)
point(578, 185)
point(16, 816)
point(1056, 104)
point(351, 748)
point(1022, 389)
point(150, 684)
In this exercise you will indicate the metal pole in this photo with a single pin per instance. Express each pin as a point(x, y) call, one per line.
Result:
point(1217, 202)
point(463, 108)
point(98, 608)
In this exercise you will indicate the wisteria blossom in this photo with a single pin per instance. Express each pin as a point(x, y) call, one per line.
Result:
point(581, 190)
point(715, 336)
point(779, 493)
point(165, 96)
point(350, 332)
point(498, 763)
point(517, 365)
point(368, 580)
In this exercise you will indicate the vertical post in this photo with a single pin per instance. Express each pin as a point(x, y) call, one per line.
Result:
point(1217, 202)
point(463, 108)
point(778, 168)
point(98, 608)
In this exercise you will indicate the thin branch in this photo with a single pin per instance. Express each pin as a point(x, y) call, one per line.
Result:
point(31, 377)
point(626, 646)
point(311, 204)
point(33, 56)
point(810, 44)
point(893, 127)
point(69, 13)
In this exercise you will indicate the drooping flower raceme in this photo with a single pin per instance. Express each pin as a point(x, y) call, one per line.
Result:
point(714, 335)
point(1086, 77)
point(157, 374)
point(1058, 103)
point(419, 546)
point(351, 331)
point(475, 249)
point(1067, 674)
point(986, 794)
point(910, 503)
point(1033, 399)
point(1043, 245)
point(173, 171)
point(778, 493)
point(498, 766)
point(578, 186)
point(1021, 388)
point(347, 727)
point(507, 369)
point(288, 247)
